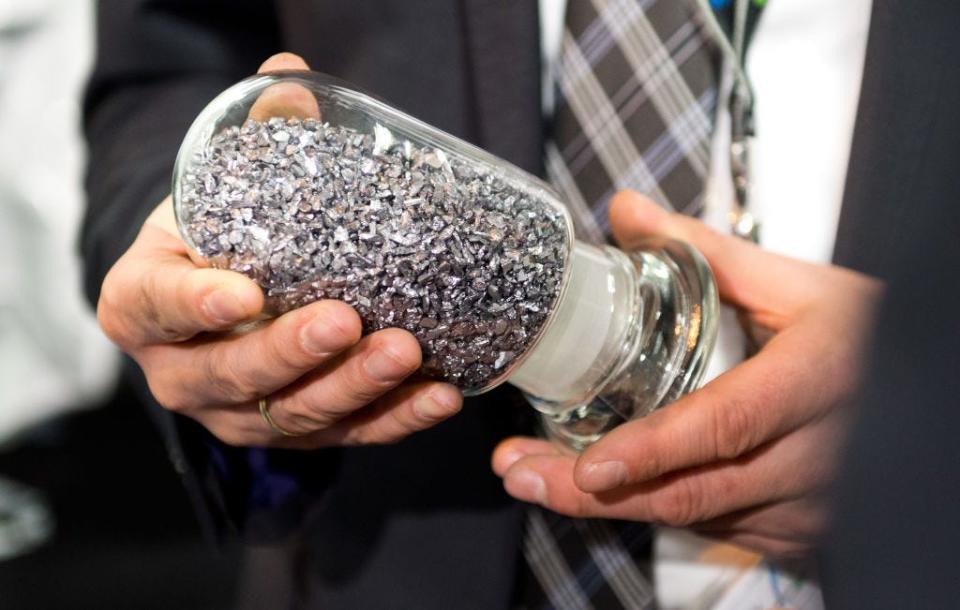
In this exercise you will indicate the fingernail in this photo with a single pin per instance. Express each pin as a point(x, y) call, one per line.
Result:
point(223, 306)
point(603, 476)
point(323, 336)
point(433, 407)
point(526, 485)
point(382, 366)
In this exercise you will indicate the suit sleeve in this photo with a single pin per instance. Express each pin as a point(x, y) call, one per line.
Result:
point(158, 63)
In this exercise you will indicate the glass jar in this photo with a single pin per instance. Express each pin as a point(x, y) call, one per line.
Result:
point(316, 189)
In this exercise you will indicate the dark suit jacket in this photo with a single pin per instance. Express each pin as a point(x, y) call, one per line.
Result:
point(896, 535)
point(422, 524)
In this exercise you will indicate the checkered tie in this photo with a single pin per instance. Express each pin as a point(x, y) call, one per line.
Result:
point(637, 94)
point(580, 564)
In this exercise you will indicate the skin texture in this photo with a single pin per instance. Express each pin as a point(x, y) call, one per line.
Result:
point(747, 457)
point(198, 335)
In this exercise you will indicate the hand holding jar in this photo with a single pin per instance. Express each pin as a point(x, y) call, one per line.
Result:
point(746, 458)
point(177, 318)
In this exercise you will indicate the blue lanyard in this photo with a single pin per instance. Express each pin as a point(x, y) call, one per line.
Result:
point(726, 15)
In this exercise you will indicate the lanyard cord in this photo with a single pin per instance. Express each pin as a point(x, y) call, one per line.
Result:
point(742, 222)
point(732, 53)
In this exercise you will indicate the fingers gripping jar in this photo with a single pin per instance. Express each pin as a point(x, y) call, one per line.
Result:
point(317, 190)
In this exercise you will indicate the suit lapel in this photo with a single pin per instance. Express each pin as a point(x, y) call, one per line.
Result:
point(504, 55)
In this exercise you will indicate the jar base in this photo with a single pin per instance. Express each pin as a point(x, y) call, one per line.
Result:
point(678, 307)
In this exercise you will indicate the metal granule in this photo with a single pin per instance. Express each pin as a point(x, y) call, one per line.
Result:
point(408, 236)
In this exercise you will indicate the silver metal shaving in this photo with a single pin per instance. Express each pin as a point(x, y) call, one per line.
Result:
point(407, 235)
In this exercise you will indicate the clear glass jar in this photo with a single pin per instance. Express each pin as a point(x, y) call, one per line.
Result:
point(318, 190)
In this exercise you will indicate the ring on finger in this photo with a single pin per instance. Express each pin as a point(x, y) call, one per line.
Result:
point(265, 414)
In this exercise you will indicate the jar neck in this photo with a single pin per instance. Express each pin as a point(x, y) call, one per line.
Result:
point(594, 328)
point(631, 333)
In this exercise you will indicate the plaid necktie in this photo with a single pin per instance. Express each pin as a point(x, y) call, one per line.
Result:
point(580, 564)
point(637, 95)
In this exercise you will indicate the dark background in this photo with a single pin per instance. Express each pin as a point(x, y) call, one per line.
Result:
point(126, 535)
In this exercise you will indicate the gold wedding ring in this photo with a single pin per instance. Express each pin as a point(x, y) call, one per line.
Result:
point(265, 414)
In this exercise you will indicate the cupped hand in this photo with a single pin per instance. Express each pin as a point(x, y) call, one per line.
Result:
point(747, 457)
point(199, 337)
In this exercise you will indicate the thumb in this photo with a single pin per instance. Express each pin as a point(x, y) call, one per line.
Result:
point(286, 100)
point(283, 61)
point(747, 276)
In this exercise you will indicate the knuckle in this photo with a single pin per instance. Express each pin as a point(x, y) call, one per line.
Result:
point(384, 427)
point(678, 505)
point(366, 394)
point(734, 428)
point(146, 303)
point(109, 323)
point(220, 372)
point(696, 230)
point(371, 435)
point(299, 416)
point(579, 508)
point(110, 310)
point(652, 461)
point(163, 320)
point(280, 351)
point(362, 388)
point(390, 439)
point(302, 415)
point(397, 427)
point(353, 437)
point(166, 394)
point(289, 410)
